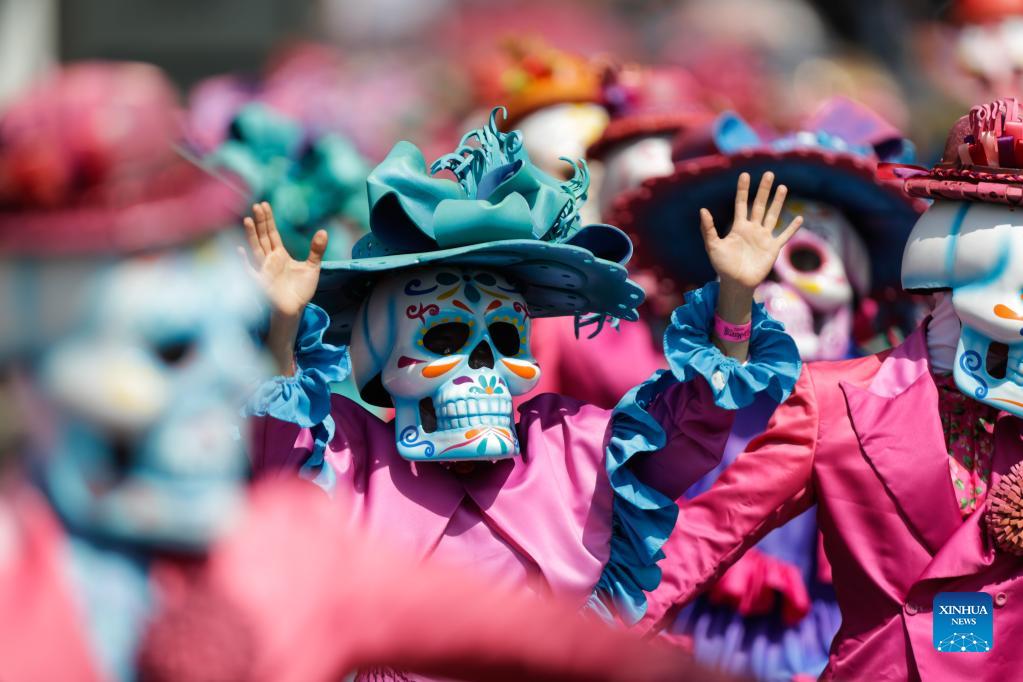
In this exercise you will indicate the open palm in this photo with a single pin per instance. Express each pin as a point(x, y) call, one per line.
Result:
point(288, 283)
point(746, 254)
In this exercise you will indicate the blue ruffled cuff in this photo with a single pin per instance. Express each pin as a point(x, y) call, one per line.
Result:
point(642, 517)
point(772, 368)
point(304, 398)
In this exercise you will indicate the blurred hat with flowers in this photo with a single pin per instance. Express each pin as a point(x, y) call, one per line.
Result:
point(88, 165)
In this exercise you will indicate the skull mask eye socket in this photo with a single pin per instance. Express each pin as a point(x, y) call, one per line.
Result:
point(805, 258)
point(176, 351)
point(446, 338)
point(505, 337)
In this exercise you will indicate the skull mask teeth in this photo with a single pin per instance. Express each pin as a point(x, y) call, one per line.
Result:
point(451, 348)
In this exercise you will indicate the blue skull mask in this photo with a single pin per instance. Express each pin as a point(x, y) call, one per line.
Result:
point(139, 398)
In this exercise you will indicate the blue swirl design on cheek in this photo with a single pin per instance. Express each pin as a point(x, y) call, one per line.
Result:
point(411, 290)
point(970, 363)
point(409, 436)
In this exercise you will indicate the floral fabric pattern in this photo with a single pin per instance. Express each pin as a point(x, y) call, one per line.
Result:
point(969, 436)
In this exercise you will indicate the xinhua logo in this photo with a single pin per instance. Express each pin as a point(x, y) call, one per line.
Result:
point(963, 622)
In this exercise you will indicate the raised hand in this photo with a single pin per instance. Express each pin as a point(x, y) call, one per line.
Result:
point(288, 283)
point(744, 257)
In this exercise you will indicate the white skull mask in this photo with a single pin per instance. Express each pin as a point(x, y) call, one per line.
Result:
point(450, 347)
point(823, 266)
point(976, 250)
point(629, 164)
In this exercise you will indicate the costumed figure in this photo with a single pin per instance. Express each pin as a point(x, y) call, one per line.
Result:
point(131, 546)
point(648, 107)
point(911, 455)
point(773, 615)
point(568, 499)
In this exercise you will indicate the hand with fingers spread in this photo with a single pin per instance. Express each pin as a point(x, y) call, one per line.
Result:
point(745, 256)
point(289, 284)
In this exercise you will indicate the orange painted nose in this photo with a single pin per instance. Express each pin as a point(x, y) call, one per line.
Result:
point(1007, 313)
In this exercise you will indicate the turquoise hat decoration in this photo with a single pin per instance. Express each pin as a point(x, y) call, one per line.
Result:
point(312, 181)
point(496, 210)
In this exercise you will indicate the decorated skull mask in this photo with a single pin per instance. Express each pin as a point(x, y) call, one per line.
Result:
point(975, 249)
point(816, 277)
point(449, 347)
point(135, 402)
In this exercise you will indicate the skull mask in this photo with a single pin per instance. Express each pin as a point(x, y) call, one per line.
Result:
point(135, 404)
point(815, 278)
point(975, 249)
point(629, 164)
point(449, 346)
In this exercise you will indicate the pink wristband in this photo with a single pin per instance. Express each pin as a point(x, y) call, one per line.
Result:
point(736, 333)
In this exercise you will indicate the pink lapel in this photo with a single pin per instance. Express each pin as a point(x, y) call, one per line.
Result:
point(896, 421)
point(40, 635)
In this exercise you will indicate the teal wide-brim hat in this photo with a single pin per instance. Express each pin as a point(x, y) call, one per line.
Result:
point(498, 212)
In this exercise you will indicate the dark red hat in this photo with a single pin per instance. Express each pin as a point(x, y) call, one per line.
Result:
point(648, 101)
point(833, 159)
point(88, 166)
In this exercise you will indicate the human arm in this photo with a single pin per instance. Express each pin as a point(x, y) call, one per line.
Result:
point(289, 284)
point(767, 485)
point(745, 255)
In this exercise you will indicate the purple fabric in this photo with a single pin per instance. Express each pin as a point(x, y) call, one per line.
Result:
point(764, 646)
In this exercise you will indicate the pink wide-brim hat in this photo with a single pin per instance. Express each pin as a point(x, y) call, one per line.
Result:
point(89, 165)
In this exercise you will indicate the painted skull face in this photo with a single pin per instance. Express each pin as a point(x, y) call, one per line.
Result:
point(138, 402)
point(975, 249)
point(450, 346)
point(815, 278)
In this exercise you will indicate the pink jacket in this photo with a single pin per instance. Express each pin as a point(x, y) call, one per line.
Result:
point(862, 439)
point(290, 596)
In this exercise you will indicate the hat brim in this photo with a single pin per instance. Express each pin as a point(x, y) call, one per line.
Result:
point(641, 125)
point(198, 207)
point(662, 215)
point(555, 280)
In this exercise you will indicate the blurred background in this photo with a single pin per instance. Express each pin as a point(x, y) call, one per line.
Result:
point(404, 66)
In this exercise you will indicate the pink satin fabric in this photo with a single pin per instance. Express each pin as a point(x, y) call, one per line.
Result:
point(40, 634)
point(599, 370)
point(862, 438)
point(305, 600)
point(540, 520)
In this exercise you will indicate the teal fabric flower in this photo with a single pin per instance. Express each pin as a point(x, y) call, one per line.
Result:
point(495, 186)
point(311, 183)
